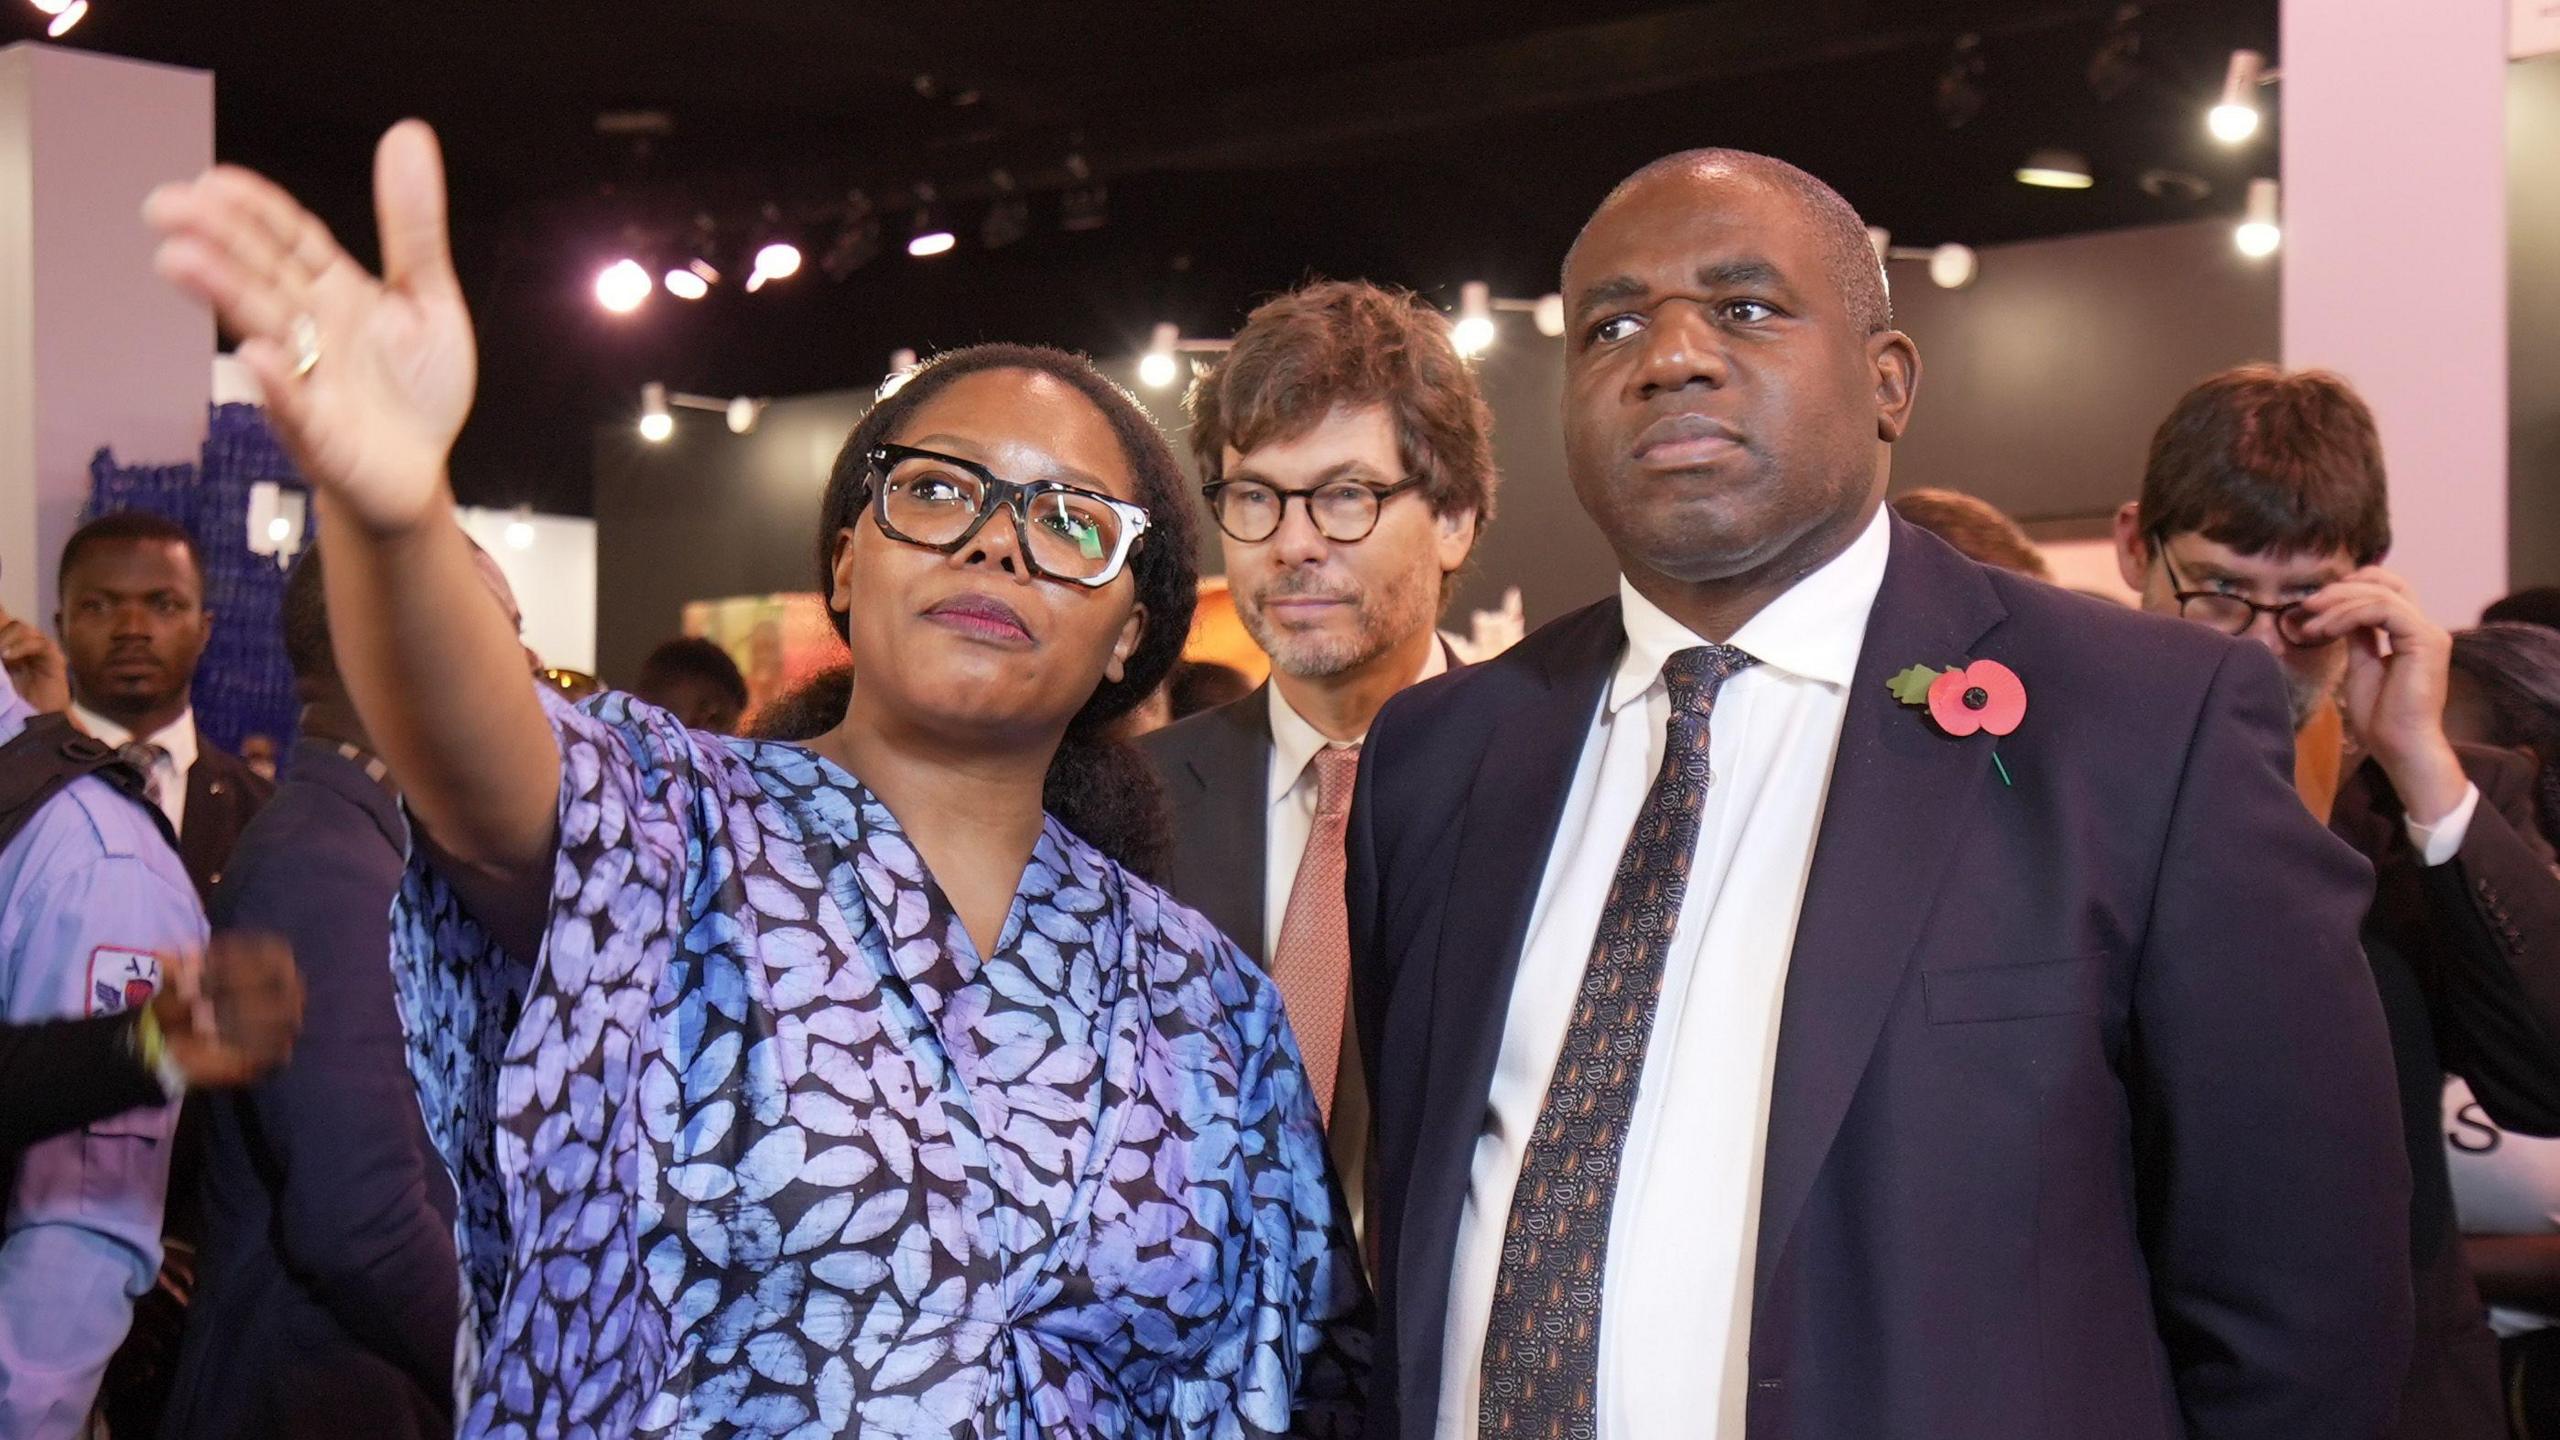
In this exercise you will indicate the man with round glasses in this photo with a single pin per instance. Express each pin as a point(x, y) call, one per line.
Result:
point(2265, 515)
point(1349, 463)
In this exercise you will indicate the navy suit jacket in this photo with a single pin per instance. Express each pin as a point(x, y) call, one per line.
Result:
point(327, 1300)
point(2082, 1125)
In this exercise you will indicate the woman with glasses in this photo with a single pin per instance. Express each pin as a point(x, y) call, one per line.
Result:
point(837, 1089)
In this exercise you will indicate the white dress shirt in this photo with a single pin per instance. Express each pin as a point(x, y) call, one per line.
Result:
point(1292, 798)
point(1675, 1327)
point(177, 744)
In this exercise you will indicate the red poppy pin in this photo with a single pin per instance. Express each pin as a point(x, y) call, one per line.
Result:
point(1983, 696)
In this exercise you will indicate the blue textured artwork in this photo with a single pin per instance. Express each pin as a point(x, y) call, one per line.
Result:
point(761, 1146)
point(242, 684)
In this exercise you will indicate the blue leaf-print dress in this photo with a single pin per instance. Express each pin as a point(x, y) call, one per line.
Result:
point(760, 1146)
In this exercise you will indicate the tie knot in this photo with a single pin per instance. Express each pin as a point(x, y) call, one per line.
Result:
point(1337, 767)
point(142, 755)
point(1694, 675)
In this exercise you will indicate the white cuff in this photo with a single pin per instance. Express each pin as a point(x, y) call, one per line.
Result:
point(2442, 841)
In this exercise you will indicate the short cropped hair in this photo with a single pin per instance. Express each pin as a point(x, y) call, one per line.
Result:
point(306, 622)
point(2271, 463)
point(1350, 343)
point(1975, 527)
point(127, 527)
point(691, 657)
point(1848, 257)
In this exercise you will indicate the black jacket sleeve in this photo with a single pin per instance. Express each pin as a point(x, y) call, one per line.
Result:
point(58, 1075)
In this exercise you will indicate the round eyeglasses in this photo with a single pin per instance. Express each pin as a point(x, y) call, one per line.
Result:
point(940, 502)
point(2234, 614)
point(1343, 511)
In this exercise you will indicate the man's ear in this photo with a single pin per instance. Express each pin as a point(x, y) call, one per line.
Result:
point(1897, 366)
point(1455, 538)
point(1132, 631)
point(2133, 547)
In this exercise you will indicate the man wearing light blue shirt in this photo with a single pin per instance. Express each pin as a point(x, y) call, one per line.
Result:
point(91, 894)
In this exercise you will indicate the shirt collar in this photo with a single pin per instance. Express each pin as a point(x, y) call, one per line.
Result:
point(178, 738)
point(1295, 741)
point(1813, 631)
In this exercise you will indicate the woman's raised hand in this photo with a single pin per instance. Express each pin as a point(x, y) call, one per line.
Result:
point(367, 381)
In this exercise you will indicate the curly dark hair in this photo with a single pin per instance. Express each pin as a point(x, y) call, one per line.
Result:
point(1097, 787)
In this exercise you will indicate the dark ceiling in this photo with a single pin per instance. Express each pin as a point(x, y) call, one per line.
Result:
point(1243, 147)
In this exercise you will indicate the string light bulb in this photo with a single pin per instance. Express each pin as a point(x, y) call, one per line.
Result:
point(656, 421)
point(2260, 232)
point(2235, 118)
point(1474, 333)
point(1156, 369)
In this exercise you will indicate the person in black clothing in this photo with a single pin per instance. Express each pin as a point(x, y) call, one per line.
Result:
point(696, 681)
point(213, 1024)
point(2264, 515)
point(328, 1301)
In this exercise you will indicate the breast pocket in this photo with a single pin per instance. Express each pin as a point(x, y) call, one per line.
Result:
point(2075, 986)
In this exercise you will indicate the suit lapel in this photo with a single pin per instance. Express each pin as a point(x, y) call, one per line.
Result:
point(1515, 798)
point(1900, 795)
point(1233, 771)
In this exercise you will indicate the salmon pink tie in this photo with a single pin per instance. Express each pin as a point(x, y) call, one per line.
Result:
point(1312, 962)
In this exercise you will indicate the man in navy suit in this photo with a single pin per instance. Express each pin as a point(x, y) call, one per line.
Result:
point(1762, 1049)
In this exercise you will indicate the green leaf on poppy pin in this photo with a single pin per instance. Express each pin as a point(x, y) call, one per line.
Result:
point(1911, 687)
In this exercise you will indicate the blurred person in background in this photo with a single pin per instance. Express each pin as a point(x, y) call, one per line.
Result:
point(694, 680)
point(327, 1296)
point(1977, 528)
point(2506, 692)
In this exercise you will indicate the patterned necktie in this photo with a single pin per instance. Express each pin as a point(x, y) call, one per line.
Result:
point(1541, 1374)
point(1312, 962)
point(145, 757)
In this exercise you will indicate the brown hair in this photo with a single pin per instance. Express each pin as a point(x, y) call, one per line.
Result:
point(1348, 342)
point(2267, 462)
point(1975, 527)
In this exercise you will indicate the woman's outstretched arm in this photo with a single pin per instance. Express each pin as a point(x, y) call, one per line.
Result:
point(367, 382)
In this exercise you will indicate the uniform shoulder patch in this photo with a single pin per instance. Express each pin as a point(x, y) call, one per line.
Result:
point(121, 978)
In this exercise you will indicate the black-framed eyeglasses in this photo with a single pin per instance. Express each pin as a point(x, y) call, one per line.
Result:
point(2233, 614)
point(940, 502)
point(1343, 511)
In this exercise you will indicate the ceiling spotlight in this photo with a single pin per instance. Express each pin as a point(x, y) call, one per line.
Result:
point(2174, 187)
point(1953, 267)
point(2259, 233)
point(902, 367)
point(856, 244)
point(2056, 170)
point(1880, 240)
point(930, 236)
point(777, 260)
point(2236, 118)
point(1548, 315)
point(1156, 369)
point(685, 284)
point(519, 532)
point(623, 286)
point(69, 16)
point(1086, 207)
point(1473, 334)
point(743, 414)
point(1960, 83)
point(656, 422)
